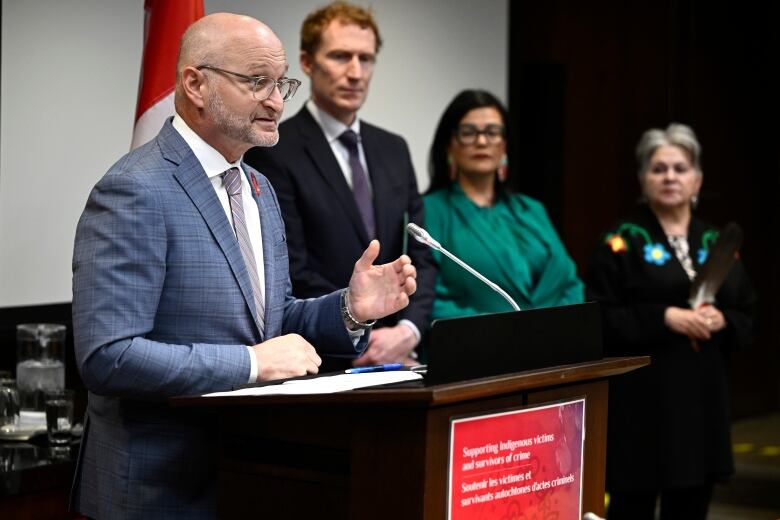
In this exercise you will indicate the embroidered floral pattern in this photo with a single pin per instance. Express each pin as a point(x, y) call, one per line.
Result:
point(617, 242)
point(656, 254)
point(707, 239)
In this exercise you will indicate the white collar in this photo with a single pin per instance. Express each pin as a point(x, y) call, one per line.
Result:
point(213, 162)
point(331, 126)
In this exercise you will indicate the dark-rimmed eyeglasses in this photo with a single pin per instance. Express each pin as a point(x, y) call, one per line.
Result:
point(262, 86)
point(469, 134)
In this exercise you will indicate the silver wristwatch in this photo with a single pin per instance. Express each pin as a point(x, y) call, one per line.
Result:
point(350, 320)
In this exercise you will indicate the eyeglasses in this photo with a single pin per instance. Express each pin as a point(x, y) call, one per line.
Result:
point(469, 134)
point(262, 86)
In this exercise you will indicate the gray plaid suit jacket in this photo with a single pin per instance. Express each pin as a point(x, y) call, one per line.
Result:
point(162, 307)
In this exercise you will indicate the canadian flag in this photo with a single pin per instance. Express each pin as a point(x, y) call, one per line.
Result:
point(164, 24)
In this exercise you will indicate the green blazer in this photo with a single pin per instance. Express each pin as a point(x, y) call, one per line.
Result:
point(513, 243)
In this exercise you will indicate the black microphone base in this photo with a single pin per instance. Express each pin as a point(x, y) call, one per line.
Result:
point(505, 343)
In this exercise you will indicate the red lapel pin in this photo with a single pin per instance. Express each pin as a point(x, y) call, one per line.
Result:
point(255, 185)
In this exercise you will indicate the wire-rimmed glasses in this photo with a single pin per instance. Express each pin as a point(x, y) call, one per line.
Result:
point(262, 86)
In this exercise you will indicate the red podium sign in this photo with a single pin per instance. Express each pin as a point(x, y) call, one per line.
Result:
point(524, 463)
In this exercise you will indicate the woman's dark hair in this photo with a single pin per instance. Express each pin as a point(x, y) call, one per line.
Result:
point(463, 103)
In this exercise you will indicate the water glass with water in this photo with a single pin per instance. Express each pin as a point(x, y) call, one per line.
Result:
point(59, 416)
point(40, 362)
point(9, 402)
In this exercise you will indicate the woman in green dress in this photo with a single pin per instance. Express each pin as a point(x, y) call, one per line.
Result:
point(506, 236)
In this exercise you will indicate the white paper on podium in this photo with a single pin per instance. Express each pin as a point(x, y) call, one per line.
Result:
point(326, 384)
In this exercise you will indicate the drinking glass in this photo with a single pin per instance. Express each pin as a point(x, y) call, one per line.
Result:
point(59, 416)
point(9, 402)
point(40, 362)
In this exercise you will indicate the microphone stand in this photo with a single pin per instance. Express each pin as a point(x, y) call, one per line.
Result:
point(423, 237)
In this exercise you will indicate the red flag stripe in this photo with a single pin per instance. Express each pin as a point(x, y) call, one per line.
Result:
point(164, 24)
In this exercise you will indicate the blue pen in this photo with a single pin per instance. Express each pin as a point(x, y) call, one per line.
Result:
point(374, 368)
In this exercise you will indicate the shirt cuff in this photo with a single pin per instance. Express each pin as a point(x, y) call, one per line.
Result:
point(253, 366)
point(354, 335)
point(414, 328)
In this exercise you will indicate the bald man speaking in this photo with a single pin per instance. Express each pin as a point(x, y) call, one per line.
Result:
point(181, 285)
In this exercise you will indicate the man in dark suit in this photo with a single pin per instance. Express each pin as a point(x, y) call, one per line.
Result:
point(181, 286)
point(342, 182)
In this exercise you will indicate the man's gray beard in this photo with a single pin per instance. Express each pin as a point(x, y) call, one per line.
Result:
point(236, 127)
point(274, 139)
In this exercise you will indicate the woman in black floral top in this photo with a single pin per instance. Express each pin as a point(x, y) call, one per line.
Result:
point(668, 422)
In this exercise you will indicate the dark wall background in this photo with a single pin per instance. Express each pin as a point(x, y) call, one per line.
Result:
point(587, 78)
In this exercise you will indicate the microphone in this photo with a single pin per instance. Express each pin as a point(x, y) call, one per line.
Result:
point(423, 237)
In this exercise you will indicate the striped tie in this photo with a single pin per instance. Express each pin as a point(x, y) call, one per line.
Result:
point(232, 181)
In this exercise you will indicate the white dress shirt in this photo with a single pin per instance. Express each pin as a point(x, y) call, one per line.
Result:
point(333, 128)
point(215, 164)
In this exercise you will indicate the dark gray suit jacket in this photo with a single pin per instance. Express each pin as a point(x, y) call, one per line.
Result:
point(324, 230)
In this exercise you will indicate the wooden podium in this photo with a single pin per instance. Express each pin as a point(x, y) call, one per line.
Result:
point(381, 453)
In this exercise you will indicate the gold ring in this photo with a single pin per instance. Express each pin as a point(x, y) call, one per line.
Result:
point(709, 321)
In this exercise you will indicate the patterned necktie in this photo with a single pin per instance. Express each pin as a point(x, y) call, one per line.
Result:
point(360, 188)
point(232, 182)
